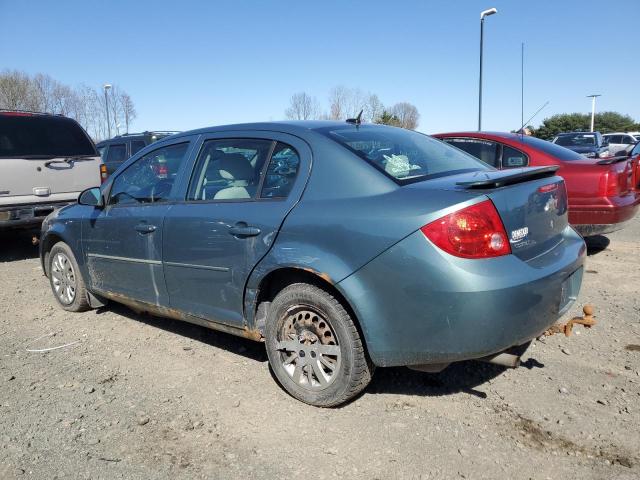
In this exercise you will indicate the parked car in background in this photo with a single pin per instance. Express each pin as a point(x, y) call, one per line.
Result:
point(602, 193)
point(620, 142)
point(342, 246)
point(589, 144)
point(45, 162)
point(634, 157)
point(116, 150)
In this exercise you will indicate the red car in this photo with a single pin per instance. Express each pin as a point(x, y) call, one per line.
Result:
point(603, 193)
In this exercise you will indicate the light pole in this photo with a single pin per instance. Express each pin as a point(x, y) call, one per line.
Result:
point(593, 108)
point(106, 87)
point(483, 14)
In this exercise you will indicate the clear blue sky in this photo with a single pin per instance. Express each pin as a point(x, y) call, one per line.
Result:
point(189, 64)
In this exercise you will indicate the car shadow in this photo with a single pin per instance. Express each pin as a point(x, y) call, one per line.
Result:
point(596, 244)
point(237, 345)
point(17, 245)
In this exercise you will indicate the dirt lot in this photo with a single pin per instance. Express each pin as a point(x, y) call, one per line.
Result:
point(144, 397)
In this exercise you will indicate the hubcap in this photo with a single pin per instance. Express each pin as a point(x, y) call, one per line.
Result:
point(309, 349)
point(63, 278)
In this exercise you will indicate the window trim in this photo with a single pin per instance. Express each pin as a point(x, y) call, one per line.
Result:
point(182, 141)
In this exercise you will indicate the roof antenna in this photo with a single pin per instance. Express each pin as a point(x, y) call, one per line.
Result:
point(357, 120)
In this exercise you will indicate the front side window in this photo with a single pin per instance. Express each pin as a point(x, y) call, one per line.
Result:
point(484, 150)
point(150, 179)
point(512, 158)
point(281, 172)
point(117, 153)
point(229, 169)
point(404, 155)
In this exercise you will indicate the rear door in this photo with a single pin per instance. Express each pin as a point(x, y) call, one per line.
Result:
point(123, 241)
point(242, 187)
point(44, 158)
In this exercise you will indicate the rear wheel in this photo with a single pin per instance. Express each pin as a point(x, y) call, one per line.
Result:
point(66, 281)
point(314, 347)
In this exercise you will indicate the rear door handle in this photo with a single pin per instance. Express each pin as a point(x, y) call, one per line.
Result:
point(145, 228)
point(242, 230)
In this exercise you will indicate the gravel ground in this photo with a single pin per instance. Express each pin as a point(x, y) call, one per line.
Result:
point(145, 397)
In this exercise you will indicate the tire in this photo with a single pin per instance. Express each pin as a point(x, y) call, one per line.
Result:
point(314, 347)
point(66, 281)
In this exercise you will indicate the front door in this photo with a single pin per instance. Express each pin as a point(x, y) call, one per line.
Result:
point(123, 241)
point(241, 190)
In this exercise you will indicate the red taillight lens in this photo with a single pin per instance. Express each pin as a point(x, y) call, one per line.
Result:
point(473, 232)
point(103, 173)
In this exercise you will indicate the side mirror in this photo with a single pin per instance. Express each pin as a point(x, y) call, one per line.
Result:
point(91, 197)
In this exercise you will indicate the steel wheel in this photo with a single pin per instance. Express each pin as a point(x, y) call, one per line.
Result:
point(63, 278)
point(309, 350)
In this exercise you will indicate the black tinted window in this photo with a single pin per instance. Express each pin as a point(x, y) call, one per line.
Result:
point(150, 179)
point(116, 153)
point(485, 150)
point(552, 149)
point(136, 146)
point(576, 140)
point(512, 158)
point(403, 155)
point(42, 135)
point(281, 172)
point(229, 169)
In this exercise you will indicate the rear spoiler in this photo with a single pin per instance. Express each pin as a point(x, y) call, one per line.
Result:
point(610, 160)
point(510, 177)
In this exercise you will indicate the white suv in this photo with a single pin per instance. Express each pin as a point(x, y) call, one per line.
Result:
point(45, 162)
point(619, 142)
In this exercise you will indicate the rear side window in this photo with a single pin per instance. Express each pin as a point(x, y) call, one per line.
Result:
point(136, 146)
point(512, 158)
point(150, 178)
point(229, 169)
point(281, 172)
point(403, 155)
point(116, 153)
point(24, 136)
point(485, 150)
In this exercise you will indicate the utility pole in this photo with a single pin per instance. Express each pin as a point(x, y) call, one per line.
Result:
point(483, 14)
point(106, 87)
point(593, 108)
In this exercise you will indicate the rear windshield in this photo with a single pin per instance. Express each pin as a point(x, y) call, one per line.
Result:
point(553, 149)
point(42, 136)
point(576, 140)
point(404, 155)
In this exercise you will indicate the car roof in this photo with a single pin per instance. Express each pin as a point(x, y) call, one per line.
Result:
point(293, 127)
point(482, 134)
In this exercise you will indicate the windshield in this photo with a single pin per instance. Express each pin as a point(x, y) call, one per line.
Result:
point(553, 149)
point(404, 155)
point(23, 136)
point(576, 140)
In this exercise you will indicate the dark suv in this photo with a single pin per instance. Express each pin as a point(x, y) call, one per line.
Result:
point(117, 149)
point(589, 144)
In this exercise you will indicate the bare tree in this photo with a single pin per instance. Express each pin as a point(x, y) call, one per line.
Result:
point(346, 102)
point(302, 107)
point(407, 115)
point(373, 108)
point(128, 109)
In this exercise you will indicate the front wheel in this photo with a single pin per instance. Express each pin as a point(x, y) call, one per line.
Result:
point(65, 279)
point(314, 347)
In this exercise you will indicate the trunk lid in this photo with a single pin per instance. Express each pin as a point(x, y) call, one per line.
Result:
point(532, 203)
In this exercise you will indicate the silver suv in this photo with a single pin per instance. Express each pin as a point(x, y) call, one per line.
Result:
point(619, 142)
point(45, 162)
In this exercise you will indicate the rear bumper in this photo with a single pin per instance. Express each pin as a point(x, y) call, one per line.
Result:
point(598, 219)
point(28, 215)
point(418, 305)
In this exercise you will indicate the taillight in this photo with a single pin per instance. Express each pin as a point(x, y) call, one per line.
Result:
point(103, 173)
point(473, 232)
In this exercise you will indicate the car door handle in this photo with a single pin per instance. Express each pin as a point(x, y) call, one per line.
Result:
point(242, 230)
point(145, 228)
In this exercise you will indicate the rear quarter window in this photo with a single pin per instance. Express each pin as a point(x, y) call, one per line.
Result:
point(43, 135)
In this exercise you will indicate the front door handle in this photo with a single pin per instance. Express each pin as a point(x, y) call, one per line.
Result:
point(145, 228)
point(242, 230)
